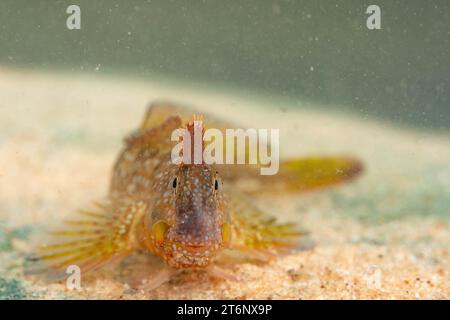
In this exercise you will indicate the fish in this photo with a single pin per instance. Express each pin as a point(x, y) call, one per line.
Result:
point(185, 214)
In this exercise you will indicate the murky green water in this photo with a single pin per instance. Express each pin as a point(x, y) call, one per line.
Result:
point(317, 51)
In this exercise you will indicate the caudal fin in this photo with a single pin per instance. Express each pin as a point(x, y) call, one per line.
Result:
point(316, 172)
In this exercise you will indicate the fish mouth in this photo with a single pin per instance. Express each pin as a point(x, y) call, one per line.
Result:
point(195, 247)
point(188, 255)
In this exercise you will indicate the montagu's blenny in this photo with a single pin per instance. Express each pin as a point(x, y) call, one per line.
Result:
point(185, 214)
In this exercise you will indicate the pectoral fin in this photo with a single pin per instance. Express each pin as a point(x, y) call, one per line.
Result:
point(257, 233)
point(96, 238)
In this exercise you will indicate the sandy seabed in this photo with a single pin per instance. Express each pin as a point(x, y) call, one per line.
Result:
point(385, 236)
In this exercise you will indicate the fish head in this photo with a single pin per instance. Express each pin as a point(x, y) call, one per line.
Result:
point(190, 223)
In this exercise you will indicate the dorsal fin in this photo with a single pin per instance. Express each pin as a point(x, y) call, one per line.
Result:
point(157, 113)
point(155, 135)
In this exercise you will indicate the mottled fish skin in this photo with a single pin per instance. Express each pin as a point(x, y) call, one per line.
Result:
point(190, 207)
point(186, 208)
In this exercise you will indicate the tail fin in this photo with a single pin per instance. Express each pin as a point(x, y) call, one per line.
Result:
point(316, 172)
point(294, 175)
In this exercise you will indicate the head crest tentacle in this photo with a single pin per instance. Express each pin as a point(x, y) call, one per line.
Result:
point(196, 131)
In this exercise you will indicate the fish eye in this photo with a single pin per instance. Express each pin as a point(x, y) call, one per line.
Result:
point(217, 184)
point(174, 183)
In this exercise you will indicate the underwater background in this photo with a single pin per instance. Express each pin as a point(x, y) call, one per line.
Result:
point(315, 51)
point(311, 68)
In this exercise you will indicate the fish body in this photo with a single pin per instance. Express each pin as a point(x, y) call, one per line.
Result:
point(185, 207)
point(185, 214)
